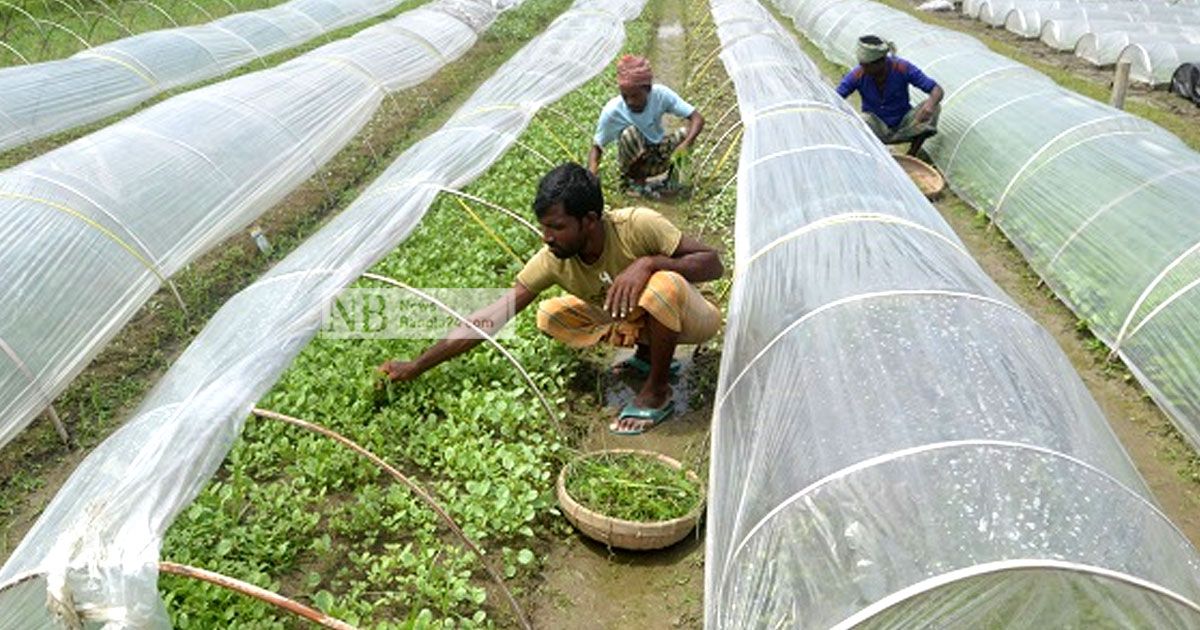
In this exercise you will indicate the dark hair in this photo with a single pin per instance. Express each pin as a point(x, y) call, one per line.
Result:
point(870, 40)
point(571, 185)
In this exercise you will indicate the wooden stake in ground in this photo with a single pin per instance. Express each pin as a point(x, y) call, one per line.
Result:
point(1120, 84)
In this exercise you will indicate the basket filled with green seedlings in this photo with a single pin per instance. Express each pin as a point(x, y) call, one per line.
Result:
point(630, 499)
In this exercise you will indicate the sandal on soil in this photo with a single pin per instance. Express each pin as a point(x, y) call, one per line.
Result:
point(634, 363)
point(655, 416)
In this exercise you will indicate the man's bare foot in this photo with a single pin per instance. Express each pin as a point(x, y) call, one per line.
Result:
point(651, 406)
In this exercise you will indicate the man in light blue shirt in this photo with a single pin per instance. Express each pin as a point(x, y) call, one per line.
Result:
point(634, 119)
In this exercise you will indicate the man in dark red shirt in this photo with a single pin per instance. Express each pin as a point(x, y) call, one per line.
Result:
point(882, 81)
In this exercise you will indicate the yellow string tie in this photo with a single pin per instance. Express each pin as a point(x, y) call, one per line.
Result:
point(728, 151)
point(495, 237)
point(562, 145)
point(93, 224)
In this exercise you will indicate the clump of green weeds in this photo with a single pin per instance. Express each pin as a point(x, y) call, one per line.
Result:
point(632, 487)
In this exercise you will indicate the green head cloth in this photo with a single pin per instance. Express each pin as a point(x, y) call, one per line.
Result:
point(871, 48)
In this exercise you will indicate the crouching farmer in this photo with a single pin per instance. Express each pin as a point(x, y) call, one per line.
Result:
point(634, 119)
point(629, 274)
point(882, 82)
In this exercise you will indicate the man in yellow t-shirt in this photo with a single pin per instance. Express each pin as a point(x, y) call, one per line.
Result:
point(629, 276)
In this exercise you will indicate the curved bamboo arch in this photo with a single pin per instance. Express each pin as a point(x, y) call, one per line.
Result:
point(256, 592)
point(110, 18)
point(201, 10)
point(170, 18)
point(46, 36)
point(15, 52)
point(32, 20)
point(47, 399)
point(859, 298)
point(844, 219)
point(70, 7)
point(993, 568)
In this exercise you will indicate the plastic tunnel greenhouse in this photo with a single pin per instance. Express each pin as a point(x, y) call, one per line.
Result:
point(94, 551)
point(895, 443)
point(1100, 202)
point(43, 98)
point(90, 231)
point(1156, 36)
point(1103, 49)
point(1154, 62)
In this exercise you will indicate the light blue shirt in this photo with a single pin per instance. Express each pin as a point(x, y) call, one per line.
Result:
point(616, 116)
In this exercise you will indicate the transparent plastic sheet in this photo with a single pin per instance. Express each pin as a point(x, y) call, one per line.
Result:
point(1101, 203)
point(24, 604)
point(1103, 49)
point(1029, 19)
point(98, 540)
point(998, 9)
point(1154, 34)
point(1065, 35)
point(90, 231)
point(43, 98)
point(1028, 22)
point(885, 416)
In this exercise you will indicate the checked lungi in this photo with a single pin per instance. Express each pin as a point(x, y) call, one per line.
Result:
point(668, 297)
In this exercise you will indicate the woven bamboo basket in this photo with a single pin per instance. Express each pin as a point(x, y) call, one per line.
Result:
point(623, 534)
point(928, 179)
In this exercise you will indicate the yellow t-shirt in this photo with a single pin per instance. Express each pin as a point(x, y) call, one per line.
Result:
point(629, 234)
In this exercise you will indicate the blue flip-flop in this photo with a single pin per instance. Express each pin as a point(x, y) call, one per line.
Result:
point(655, 416)
point(643, 368)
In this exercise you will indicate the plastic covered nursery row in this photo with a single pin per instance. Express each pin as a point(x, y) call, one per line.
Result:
point(1100, 202)
point(90, 231)
point(40, 99)
point(895, 443)
point(1156, 36)
point(94, 551)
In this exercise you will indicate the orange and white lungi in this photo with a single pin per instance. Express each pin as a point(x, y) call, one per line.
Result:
point(668, 298)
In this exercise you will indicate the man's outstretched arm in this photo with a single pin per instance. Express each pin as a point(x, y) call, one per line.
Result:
point(490, 319)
